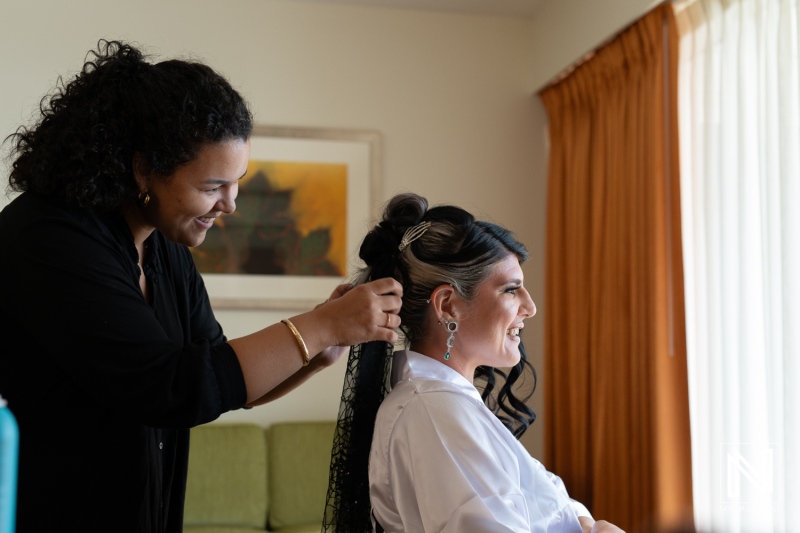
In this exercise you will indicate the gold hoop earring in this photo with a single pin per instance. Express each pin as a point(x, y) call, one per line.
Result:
point(144, 198)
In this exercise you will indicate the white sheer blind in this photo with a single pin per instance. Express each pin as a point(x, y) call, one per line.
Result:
point(740, 153)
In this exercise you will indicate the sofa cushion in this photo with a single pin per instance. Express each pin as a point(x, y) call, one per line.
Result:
point(299, 461)
point(226, 529)
point(227, 481)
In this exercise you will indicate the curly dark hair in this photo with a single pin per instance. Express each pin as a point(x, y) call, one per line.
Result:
point(456, 249)
point(119, 105)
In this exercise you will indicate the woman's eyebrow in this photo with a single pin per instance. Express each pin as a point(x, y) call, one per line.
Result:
point(220, 181)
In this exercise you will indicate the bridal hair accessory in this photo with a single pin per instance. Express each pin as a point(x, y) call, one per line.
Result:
point(452, 327)
point(413, 233)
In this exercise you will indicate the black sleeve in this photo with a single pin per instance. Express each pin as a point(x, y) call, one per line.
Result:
point(204, 326)
point(81, 310)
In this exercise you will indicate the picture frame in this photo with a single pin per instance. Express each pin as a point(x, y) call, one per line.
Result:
point(360, 152)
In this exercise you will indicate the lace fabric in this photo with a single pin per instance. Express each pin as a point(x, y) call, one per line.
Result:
point(365, 386)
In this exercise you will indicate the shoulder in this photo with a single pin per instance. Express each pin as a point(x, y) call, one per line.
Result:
point(411, 395)
point(42, 226)
point(30, 209)
point(415, 409)
point(436, 423)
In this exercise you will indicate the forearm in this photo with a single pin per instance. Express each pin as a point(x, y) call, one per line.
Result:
point(273, 355)
point(272, 360)
point(288, 385)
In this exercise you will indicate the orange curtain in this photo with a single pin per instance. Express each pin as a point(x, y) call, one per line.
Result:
point(617, 429)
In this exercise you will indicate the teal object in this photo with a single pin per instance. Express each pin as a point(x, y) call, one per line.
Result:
point(9, 456)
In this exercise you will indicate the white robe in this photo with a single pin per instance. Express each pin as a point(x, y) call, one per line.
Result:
point(442, 461)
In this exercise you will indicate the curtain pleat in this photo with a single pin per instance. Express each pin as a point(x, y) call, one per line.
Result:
point(617, 429)
point(740, 140)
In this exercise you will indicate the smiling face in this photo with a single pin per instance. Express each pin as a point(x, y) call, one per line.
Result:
point(184, 205)
point(488, 332)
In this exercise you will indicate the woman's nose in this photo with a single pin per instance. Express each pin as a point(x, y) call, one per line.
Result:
point(227, 204)
point(528, 306)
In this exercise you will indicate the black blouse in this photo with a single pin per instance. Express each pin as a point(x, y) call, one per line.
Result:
point(104, 386)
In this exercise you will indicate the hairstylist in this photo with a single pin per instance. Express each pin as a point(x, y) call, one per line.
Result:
point(110, 348)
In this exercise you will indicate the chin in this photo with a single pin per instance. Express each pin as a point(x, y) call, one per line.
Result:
point(191, 240)
point(515, 358)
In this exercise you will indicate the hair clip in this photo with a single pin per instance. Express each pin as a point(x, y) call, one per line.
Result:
point(412, 234)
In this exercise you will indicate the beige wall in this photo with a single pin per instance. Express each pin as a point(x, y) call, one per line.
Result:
point(564, 30)
point(451, 94)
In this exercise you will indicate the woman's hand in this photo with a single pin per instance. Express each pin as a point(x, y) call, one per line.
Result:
point(331, 354)
point(588, 525)
point(365, 296)
point(368, 312)
point(601, 526)
point(270, 358)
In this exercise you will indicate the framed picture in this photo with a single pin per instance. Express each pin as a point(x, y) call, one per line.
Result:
point(307, 200)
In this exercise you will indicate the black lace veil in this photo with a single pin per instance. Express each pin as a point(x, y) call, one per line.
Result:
point(347, 508)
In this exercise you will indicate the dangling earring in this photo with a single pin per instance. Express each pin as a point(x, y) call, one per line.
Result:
point(452, 327)
point(144, 198)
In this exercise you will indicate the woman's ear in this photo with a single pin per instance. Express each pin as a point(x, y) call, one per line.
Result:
point(140, 172)
point(443, 300)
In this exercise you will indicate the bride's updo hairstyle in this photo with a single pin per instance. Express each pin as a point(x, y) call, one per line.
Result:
point(422, 248)
point(455, 249)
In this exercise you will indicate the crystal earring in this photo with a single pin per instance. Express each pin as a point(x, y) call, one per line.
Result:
point(452, 327)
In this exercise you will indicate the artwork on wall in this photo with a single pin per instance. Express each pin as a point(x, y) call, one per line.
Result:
point(308, 198)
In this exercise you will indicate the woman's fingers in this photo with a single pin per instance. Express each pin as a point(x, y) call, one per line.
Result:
point(385, 286)
point(601, 526)
point(368, 312)
point(390, 294)
point(392, 321)
point(586, 524)
point(340, 291)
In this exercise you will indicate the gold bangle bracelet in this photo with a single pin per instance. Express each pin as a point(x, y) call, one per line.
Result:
point(299, 339)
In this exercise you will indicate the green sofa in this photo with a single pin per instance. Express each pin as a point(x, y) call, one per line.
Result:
point(243, 478)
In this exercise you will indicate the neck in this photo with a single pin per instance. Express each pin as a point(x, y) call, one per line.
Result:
point(436, 349)
point(139, 227)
